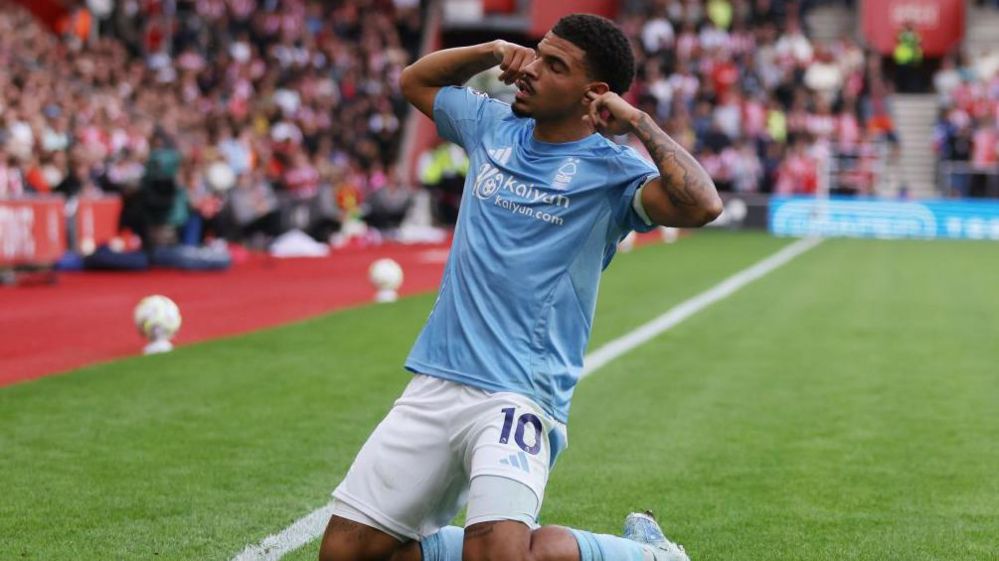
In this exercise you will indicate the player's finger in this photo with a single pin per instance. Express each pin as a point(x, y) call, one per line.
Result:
point(520, 62)
point(523, 59)
point(594, 119)
point(513, 70)
point(508, 57)
point(610, 121)
point(593, 123)
point(605, 101)
point(594, 111)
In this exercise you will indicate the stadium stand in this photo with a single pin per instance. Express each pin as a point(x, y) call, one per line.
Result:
point(966, 133)
point(241, 119)
point(293, 105)
point(763, 106)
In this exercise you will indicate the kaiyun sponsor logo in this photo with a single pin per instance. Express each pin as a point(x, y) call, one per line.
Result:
point(491, 180)
point(492, 184)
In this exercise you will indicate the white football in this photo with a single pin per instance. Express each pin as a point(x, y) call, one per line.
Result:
point(157, 317)
point(385, 274)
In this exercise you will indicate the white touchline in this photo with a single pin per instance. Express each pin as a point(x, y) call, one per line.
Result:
point(276, 546)
point(598, 358)
point(311, 526)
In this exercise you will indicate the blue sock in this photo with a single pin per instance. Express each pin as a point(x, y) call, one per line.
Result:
point(445, 545)
point(604, 547)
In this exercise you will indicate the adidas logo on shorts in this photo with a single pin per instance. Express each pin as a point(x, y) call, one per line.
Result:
point(518, 460)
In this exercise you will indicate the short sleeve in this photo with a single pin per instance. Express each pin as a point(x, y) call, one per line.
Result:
point(636, 173)
point(462, 115)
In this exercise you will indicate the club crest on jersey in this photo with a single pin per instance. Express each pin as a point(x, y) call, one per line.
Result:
point(565, 174)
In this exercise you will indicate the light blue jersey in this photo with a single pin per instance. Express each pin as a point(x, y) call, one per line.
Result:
point(537, 225)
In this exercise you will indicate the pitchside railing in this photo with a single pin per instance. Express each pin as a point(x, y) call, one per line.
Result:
point(963, 179)
point(866, 171)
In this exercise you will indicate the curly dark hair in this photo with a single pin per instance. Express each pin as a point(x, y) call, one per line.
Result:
point(608, 52)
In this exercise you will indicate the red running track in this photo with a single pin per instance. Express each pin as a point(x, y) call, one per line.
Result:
point(87, 317)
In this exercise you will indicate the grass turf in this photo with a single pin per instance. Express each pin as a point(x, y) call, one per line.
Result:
point(842, 407)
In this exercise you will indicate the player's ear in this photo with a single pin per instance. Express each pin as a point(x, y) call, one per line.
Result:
point(598, 88)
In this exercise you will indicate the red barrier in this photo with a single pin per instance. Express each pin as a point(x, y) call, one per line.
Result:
point(33, 231)
point(96, 222)
point(940, 23)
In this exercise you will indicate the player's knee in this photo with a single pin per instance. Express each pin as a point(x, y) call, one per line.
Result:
point(336, 548)
point(514, 541)
point(553, 543)
point(332, 550)
point(534, 549)
point(548, 543)
point(495, 541)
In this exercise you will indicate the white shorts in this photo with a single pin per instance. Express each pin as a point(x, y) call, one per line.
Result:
point(412, 475)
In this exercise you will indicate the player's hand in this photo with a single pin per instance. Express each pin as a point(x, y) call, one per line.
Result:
point(610, 114)
point(512, 59)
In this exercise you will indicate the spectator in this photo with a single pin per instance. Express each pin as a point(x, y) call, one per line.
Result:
point(984, 156)
point(747, 170)
point(946, 79)
point(252, 210)
point(908, 57)
point(824, 76)
point(157, 213)
point(798, 174)
point(793, 48)
point(442, 171)
point(387, 206)
point(657, 35)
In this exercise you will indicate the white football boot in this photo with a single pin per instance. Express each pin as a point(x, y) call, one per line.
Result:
point(643, 528)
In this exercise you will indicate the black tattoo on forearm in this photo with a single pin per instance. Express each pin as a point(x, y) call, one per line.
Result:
point(452, 67)
point(458, 74)
point(684, 180)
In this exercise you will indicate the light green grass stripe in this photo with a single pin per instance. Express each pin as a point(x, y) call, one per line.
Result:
point(642, 334)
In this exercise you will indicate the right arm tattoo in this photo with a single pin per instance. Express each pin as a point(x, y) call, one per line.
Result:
point(686, 183)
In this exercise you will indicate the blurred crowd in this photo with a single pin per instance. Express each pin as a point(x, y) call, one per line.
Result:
point(967, 131)
point(764, 108)
point(242, 119)
point(221, 118)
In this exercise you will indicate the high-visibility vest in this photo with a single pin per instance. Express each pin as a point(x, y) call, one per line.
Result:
point(908, 51)
point(447, 160)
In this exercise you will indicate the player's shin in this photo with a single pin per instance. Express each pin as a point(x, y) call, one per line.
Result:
point(604, 547)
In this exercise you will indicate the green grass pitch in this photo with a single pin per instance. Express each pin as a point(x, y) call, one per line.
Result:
point(846, 406)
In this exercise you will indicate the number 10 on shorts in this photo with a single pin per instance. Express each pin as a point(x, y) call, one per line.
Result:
point(518, 435)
